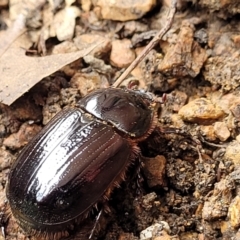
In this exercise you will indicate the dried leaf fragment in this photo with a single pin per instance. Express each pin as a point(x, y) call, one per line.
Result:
point(19, 72)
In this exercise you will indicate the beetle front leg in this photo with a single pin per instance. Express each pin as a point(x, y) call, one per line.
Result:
point(4, 219)
point(95, 224)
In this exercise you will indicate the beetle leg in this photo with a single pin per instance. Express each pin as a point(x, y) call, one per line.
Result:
point(3, 232)
point(138, 175)
point(95, 224)
point(3, 221)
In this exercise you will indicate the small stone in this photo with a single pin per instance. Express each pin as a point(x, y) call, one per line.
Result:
point(149, 200)
point(87, 82)
point(234, 212)
point(221, 131)
point(188, 235)
point(165, 236)
point(131, 27)
point(208, 132)
point(64, 23)
point(177, 121)
point(175, 100)
point(200, 110)
point(127, 236)
point(122, 55)
point(97, 64)
point(235, 109)
point(156, 230)
point(186, 57)
point(154, 171)
point(22, 137)
point(236, 40)
point(121, 10)
point(83, 41)
point(233, 153)
point(224, 101)
point(216, 205)
point(225, 226)
point(4, 3)
point(238, 138)
point(5, 159)
point(86, 5)
point(2, 130)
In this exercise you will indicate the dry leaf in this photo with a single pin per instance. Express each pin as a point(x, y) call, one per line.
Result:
point(12, 33)
point(19, 72)
point(20, 12)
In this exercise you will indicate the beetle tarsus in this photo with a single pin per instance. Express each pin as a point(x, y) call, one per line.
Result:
point(3, 217)
point(3, 232)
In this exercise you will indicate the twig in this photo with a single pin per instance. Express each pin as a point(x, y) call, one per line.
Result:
point(151, 44)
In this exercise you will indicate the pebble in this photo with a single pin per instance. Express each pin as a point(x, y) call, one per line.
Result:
point(189, 235)
point(208, 132)
point(86, 5)
point(64, 23)
point(165, 236)
point(216, 205)
point(200, 110)
point(87, 82)
point(238, 138)
point(121, 55)
point(186, 52)
point(127, 236)
point(233, 153)
point(5, 159)
point(178, 100)
point(235, 109)
point(97, 64)
point(225, 227)
point(177, 121)
point(234, 212)
point(154, 171)
point(221, 131)
point(149, 200)
point(131, 27)
point(22, 137)
point(123, 10)
point(4, 3)
point(158, 229)
point(227, 102)
point(83, 41)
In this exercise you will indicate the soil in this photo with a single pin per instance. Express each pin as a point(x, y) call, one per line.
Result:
point(186, 181)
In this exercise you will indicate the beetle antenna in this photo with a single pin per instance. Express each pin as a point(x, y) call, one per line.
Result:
point(160, 100)
point(155, 99)
point(95, 224)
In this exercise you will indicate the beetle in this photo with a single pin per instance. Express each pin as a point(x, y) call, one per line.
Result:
point(77, 159)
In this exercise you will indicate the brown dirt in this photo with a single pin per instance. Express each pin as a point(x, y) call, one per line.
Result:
point(190, 177)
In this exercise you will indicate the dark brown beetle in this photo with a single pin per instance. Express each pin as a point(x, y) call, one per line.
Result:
point(77, 159)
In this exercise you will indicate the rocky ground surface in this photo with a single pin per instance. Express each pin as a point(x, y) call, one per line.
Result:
point(190, 175)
